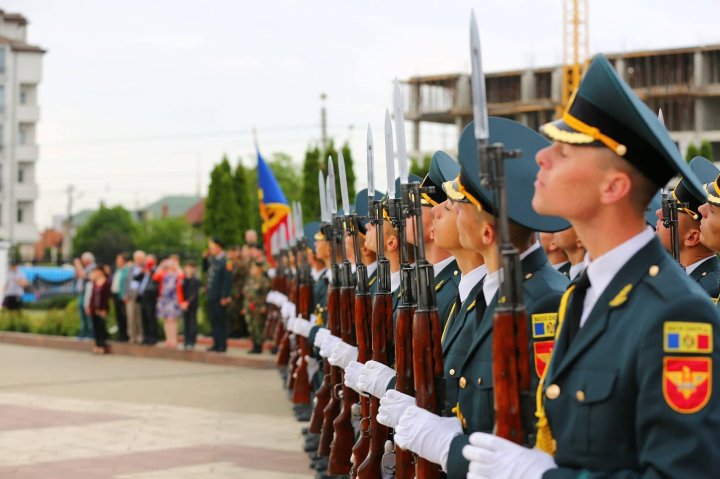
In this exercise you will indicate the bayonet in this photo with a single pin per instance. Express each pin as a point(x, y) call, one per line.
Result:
point(370, 164)
point(324, 217)
point(400, 134)
point(480, 113)
point(343, 184)
point(389, 156)
point(332, 195)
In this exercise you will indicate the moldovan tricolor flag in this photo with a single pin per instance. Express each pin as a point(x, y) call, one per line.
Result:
point(274, 208)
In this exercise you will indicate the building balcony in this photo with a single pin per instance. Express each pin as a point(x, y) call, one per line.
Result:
point(26, 152)
point(28, 113)
point(26, 192)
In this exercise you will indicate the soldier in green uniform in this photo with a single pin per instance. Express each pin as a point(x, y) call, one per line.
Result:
point(218, 271)
point(699, 261)
point(628, 391)
point(471, 381)
point(255, 290)
point(237, 322)
point(557, 257)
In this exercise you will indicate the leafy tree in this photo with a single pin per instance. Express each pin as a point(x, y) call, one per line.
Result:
point(243, 196)
point(706, 150)
point(107, 232)
point(168, 236)
point(692, 152)
point(309, 197)
point(222, 212)
point(421, 167)
point(349, 171)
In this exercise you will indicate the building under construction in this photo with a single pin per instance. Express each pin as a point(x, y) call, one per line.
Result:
point(683, 82)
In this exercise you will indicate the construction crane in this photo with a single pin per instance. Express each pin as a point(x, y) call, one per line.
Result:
point(576, 48)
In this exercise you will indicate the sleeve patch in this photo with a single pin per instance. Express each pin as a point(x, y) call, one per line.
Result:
point(687, 337)
point(687, 383)
point(543, 325)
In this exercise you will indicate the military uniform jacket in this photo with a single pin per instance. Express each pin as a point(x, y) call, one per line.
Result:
point(446, 289)
point(319, 298)
point(372, 282)
point(565, 269)
point(455, 344)
point(219, 278)
point(707, 275)
point(543, 287)
point(632, 396)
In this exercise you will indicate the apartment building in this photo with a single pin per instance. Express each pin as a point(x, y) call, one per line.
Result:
point(684, 82)
point(20, 75)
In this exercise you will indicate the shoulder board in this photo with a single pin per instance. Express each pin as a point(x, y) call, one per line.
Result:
point(472, 305)
point(440, 285)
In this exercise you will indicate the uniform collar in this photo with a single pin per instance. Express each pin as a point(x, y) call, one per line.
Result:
point(371, 268)
point(317, 274)
point(492, 282)
point(576, 269)
point(694, 266)
point(559, 265)
point(468, 281)
point(603, 269)
point(438, 267)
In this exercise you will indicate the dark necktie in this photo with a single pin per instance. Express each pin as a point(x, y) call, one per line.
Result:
point(575, 309)
point(480, 307)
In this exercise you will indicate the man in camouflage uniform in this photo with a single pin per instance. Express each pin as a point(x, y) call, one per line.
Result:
point(236, 318)
point(255, 289)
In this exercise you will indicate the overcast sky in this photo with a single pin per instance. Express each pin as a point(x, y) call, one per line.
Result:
point(140, 98)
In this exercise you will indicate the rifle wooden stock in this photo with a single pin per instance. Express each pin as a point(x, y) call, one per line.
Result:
point(292, 361)
point(344, 434)
point(381, 320)
point(428, 367)
point(404, 468)
point(302, 390)
point(508, 416)
point(283, 357)
point(332, 409)
point(363, 333)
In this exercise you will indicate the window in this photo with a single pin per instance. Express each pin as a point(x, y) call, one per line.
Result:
point(2, 60)
point(21, 135)
point(19, 214)
point(23, 97)
point(21, 174)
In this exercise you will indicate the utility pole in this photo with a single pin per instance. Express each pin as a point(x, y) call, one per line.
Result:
point(323, 122)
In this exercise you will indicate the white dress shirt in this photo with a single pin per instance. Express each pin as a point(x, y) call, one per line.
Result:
point(468, 281)
point(602, 270)
point(394, 281)
point(559, 265)
point(576, 269)
point(371, 268)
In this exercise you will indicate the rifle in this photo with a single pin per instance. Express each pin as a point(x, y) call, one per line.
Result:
point(363, 318)
point(670, 220)
point(344, 433)
point(399, 209)
point(293, 298)
point(333, 324)
point(322, 395)
point(381, 324)
point(426, 342)
point(511, 364)
point(283, 335)
point(302, 390)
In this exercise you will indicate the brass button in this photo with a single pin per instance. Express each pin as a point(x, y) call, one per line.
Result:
point(463, 382)
point(479, 381)
point(580, 395)
point(455, 273)
point(452, 372)
point(704, 274)
point(552, 391)
point(528, 276)
point(654, 270)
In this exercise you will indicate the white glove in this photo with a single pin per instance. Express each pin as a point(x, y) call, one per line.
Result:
point(427, 435)
point(374, 378)
point(392, 406)
point(342, 354)
point(312, 367)
point(291, 324)
point(328, 345)
point(320, 337)
point(352, 373)
point(288, 310)
point(281, 299)
point(492, 456)
point(270, 298)
point(302, 327)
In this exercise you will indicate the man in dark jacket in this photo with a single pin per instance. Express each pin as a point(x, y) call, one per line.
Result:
point(219, 282)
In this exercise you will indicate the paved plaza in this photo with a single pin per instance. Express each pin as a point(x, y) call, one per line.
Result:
point(68, 414)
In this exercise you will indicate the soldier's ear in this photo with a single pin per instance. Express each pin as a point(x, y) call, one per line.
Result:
point(692, 238)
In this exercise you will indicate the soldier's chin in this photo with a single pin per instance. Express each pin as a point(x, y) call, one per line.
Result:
point(542, 207)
